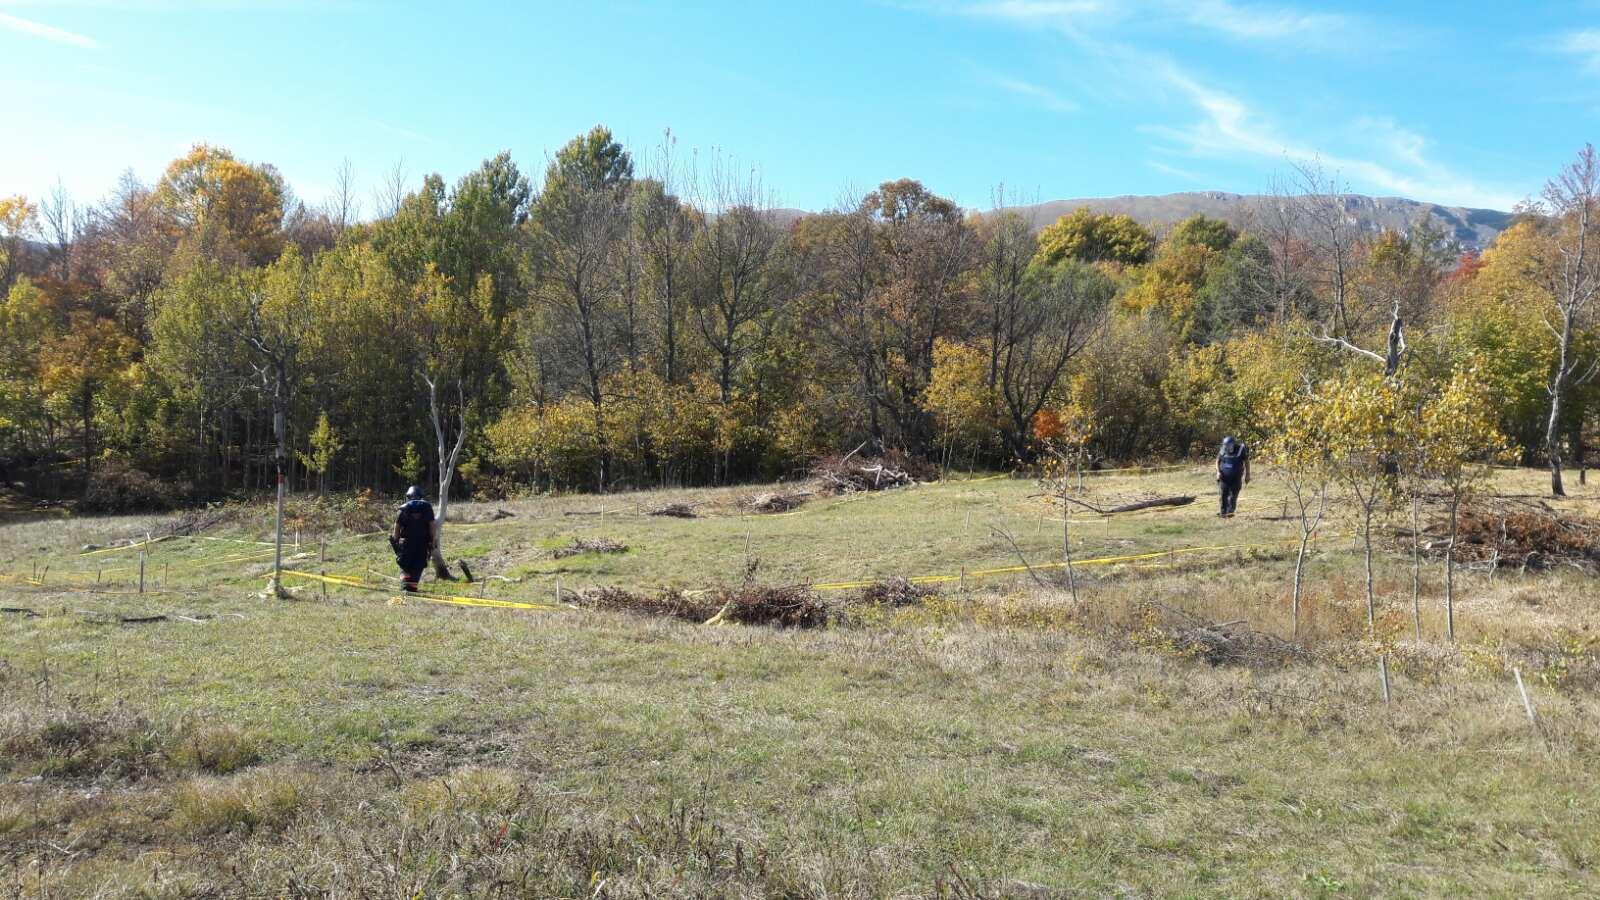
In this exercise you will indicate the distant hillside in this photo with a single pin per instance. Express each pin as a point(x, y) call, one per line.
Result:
point(1474, 228)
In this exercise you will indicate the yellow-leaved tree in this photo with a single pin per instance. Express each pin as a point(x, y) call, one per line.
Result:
point(959, 396)
point(1453, 432)
point(1297, 449)
point(1362, 419)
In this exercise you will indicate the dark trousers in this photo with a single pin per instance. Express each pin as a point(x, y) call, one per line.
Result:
point(1230, 494)
point(410, 577)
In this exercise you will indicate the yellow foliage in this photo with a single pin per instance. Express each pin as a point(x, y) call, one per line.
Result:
point(963, 405)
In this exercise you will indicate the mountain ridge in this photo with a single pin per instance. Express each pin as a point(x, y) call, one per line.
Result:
point(1474, 228)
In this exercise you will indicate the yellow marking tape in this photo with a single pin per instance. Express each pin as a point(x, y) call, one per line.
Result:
point(353, 582)
point(122, 547)
point(1012, 570)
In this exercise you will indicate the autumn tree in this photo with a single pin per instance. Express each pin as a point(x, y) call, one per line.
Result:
point(1096, 237)
point(1450, 437)
point(18, 220)
point(88, 357)
point(227, 205)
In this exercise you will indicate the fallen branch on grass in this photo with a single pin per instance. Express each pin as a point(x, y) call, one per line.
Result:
point(674, 511)
point(1181, 500)
point(19, 610)
point(1220, 643)
point(591, 545)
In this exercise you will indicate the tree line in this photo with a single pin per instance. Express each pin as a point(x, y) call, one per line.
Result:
point(641, 322)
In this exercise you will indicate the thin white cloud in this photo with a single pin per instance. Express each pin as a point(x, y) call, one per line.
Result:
point(1036, 93)
point(1176, 172)
point(48, 32)
point(1069, 16)
point(1249, 22)
point(1260, 22)
point(1230, 128)
point(1584, 44)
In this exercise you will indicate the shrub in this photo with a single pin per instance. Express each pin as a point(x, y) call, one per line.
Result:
point(116, 487)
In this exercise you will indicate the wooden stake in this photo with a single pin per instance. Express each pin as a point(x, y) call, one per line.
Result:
point(1527, 704)
point(1383, 674)
point(141, 571)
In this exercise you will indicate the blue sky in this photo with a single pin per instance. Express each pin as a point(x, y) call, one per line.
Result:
point(1460, 103)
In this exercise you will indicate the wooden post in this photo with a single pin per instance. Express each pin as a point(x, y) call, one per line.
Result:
point(141, 571)
point(558, 588)
point(1383, 674)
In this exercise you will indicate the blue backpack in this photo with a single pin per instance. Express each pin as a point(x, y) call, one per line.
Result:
point(1231, 465)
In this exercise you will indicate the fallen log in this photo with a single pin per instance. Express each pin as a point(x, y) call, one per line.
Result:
point(1181, 500)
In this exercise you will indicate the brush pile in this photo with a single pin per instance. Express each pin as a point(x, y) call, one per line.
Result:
point(850, 474)
point(1225, 643)
point(896, 591)
point(591, 545)
point(674, 511)
point(785, 606)
point(776, 501)
point(1528, 537)
point(671, 603)
point(782, 605)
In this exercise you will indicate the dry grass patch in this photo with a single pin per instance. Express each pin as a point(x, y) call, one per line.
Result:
point(219, 749)
point(263, 799)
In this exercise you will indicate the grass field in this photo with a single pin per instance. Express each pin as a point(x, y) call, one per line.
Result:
point(994, 741)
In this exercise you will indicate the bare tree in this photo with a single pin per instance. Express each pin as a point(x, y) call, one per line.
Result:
point(1280, 218)
point(1008, 247)
point(1052, 320)
point(343, 207)
point(1572, 273)
point(62, 223)
point(665, 229)
point(271, 327)
point(577, 234)
point(391, 191)
point(736, 283)
point(1332, 233)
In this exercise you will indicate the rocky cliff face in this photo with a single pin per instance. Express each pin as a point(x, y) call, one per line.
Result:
point(1473, 228)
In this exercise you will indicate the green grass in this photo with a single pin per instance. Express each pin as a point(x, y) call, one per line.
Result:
point(984, 745)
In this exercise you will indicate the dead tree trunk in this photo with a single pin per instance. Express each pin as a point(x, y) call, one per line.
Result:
point(449, 454)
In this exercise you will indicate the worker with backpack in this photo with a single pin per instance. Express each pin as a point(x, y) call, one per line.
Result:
point(413, 537)
point(1233, 473)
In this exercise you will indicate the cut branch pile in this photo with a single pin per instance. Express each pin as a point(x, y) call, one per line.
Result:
point(897, 591)
point(776, 501)
point(674, 510)
point(1529, 538)
point(850, 475)
point(785, 606)
point(670, 603)
point(591, 545)
point(1227, 643)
